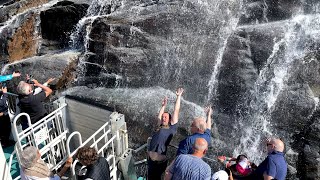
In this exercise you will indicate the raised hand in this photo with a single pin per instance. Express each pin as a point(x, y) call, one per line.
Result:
point(165, 101)
point(16, 74)
point(4, 89)
point(36, 83)
point(50, 80)
point(179, 91)
point(69, 162)
point(208, 110)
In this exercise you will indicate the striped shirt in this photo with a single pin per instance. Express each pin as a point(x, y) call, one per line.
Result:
point(189, 167)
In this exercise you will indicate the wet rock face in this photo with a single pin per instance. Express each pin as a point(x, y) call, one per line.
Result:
point(159, 45)
point(262, 11)
point(149, 47)
point(12, 8)
point(23, 44)
point(31, 34)
point(18, 40)
point(59, 66)
point(59, 21)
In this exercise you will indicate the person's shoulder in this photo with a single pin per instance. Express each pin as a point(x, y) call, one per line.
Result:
point(173, 125)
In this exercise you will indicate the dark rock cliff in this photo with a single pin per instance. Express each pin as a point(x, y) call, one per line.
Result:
point(256, 61)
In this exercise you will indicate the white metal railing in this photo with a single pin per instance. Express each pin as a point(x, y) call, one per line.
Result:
point(48, 134)
point(103, 141)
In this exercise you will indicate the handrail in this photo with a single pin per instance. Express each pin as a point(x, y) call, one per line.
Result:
point(54, 131)
point(100, 150)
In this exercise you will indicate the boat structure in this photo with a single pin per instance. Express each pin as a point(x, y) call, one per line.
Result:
point(72, 124)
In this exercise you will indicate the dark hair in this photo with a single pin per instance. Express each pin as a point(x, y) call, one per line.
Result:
point(169, 115)
point(87, 155)
point(238, 158)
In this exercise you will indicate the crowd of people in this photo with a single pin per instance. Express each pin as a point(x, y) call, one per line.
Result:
point(187, 164)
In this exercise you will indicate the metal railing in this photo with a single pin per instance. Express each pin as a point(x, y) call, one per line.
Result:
point(109, 143)
point(102, 141)
point(49, 135)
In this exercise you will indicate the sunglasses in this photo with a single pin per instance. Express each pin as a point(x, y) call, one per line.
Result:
point(268, 144)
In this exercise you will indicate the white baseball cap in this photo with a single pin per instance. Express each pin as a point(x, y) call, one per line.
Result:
point(220, 175)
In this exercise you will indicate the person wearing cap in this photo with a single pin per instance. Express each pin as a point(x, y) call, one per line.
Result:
point(166, 128)
point(190, 166)
point(275, 165)
point(200, 128)
point(221, 175)
point(240, 167)
point(34, 168)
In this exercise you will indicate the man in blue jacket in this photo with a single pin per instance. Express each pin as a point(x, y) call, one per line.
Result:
point(200, 128)
point(274, 166)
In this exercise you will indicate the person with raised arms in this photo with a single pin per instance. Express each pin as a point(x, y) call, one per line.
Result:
point(166, 128)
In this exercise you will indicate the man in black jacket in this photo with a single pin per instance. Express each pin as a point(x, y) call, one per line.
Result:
point(30, 103)
point(97, 167)
point(5, 123)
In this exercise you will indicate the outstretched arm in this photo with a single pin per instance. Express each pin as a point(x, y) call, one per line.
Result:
point(9, 77)
point(175, 116)
point(39, 89)
point(208, 111)
point(163, 107)
point(65, 167)
point(46, 89)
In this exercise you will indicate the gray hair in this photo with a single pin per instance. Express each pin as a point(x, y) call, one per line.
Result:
point(23, 88)
point(200, 123)
point(200, 144)
point(29, 156)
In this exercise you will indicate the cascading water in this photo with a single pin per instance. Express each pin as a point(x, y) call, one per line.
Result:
point(97, 8)
point(226, 32)
point(252, 60)
point(272, 81)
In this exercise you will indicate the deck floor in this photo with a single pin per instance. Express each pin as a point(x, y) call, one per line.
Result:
point(15, 169)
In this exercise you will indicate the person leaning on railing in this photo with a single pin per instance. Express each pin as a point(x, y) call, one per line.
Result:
point(30, 103)
point(97, 168)
point(34, 168)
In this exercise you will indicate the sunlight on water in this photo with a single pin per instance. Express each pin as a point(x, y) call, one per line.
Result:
point(272, 81)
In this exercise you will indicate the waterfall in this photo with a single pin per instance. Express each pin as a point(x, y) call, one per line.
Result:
point(272, 81)
point(97, 8)
point(224, 34)
point(15, 20)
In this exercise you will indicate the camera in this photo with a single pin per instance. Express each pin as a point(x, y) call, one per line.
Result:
point(29, 81)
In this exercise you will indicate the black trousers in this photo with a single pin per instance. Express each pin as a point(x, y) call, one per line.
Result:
point(5, 129)
point(156, 169)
